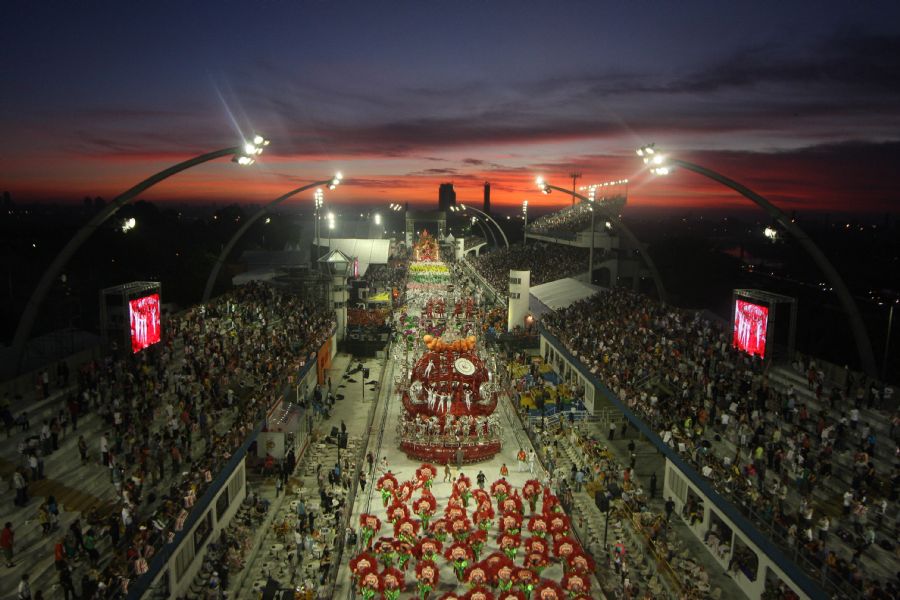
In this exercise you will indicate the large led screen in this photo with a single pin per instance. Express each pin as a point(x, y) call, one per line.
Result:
point(750, 323)
point(145, 328)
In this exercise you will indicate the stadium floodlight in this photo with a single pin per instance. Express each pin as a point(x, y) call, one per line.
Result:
point(377, 219)
point(335, 181)
point(771, 233)
point(128, 224)
point(250, 150)
point(542, 185)
point(658, 163)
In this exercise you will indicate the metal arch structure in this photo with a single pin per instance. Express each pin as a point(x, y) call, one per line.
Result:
point(220, 261)
point(857, 326)
point(26, 321)
point(632, 238)
point(466, 207)
point(487, 231)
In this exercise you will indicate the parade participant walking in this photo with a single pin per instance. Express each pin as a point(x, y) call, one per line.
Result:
point(520, 459)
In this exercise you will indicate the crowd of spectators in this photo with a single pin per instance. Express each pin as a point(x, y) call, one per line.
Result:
point(547, 262)
point(777, 458)
point(181, 407)
point(388, 277)
point(571, 220)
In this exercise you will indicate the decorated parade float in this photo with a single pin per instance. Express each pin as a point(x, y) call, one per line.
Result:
point(426, 249)
point(449, 403)
point(448, 392)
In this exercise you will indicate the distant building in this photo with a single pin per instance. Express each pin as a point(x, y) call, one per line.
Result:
point(446, 196)
point(487, 197)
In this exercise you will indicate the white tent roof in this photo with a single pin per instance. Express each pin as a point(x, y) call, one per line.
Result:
point(369, 252)
point(559, 294)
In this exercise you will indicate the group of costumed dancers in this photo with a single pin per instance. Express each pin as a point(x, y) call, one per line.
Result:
point(485, 538)
point(496, 550)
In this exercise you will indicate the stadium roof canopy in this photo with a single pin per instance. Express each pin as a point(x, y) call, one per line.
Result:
point(558, 294)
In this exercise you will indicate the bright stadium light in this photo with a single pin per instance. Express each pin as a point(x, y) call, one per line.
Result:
point(250, 151)
point(377, 219)
point(770, 233)
point(542, 185)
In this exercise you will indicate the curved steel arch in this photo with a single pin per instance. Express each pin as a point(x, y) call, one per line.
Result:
point(26, 321)
point(217, 267)
point(858, 328)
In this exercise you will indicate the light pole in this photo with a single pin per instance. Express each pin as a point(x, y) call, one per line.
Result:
point(464, 208)
point(217, 267)
point(546, 188)
point(319, 198)
point(243, 155)
point(660, 164)
point(525, 227)
point(592, 196)
point(330, 228)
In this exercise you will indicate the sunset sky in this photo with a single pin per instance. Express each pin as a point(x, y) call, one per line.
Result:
point(798, 100)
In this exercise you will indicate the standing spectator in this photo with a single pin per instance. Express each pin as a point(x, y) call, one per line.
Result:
point(7, 541)
point(83, 450)
point(21, 488)
point(104, 450)
point(113, 529)
point(670, 508)
point(653, 486)
point(298, 542)
point(73, 412)
point(65, 581)
point(612, 430)
point(24, 588)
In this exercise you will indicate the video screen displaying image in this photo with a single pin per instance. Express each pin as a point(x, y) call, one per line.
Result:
point(145, 325)
point(750, 323)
